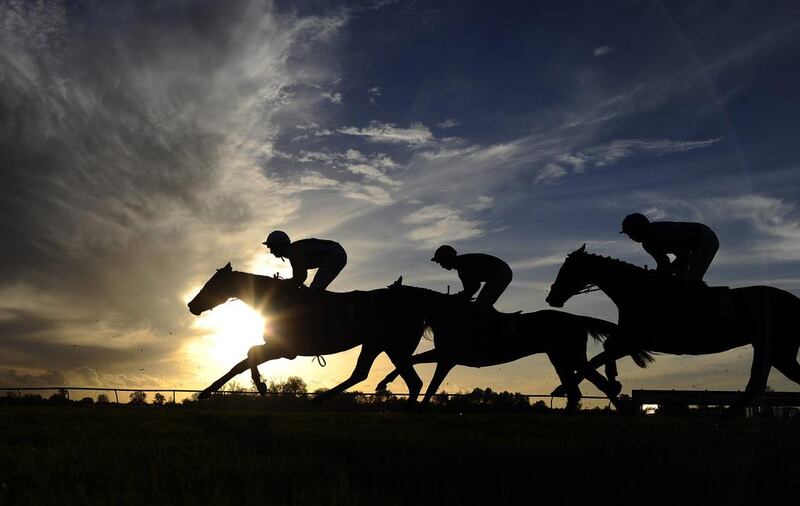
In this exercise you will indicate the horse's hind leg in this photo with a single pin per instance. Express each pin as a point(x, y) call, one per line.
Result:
point(360, 373)
point(788, 366)
point(443, 368)
point(759, 374)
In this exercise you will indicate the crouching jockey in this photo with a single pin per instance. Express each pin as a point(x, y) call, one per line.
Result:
point(474, 269)
point(693, 244)
point(328, 257)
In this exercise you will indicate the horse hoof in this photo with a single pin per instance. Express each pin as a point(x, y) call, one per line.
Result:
point(205, 394)
point(560, 391)
point(381, 387)
point(262, 388)
point(614, 387)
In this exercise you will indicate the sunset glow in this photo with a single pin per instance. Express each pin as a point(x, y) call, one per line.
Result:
point(229, 331)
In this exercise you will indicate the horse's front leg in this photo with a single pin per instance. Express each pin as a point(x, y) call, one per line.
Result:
point(260, 354)
point(426, 357)
point(235, 371)
point(360, 373)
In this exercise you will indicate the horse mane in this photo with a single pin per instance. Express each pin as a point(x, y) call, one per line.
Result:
point(631, 268)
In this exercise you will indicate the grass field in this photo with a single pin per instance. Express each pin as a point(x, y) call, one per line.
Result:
point(194, 455)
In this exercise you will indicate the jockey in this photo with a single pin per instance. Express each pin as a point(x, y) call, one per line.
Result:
point(693, 244)
point(474, 268)
point(328, 257)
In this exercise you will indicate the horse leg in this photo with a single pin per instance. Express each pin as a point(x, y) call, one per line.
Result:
point(759, 374)
point(614, 386)
point(405, 368)
point(421, 358)
point(258, 355)
point(235, 371)
point(586, 369)
point(443, 368)
point(360, 373)
point(789, 367)
point(565, 372)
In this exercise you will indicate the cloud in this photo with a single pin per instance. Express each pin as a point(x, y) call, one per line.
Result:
point(435, 224)
point(449, 123)
point(614, 151)
point(371, 172)
point(130, 154)
point(484, 202)
point(550, 174)
point(602, 51)
point(373, 94)
point(415, 135)
point(334, 98)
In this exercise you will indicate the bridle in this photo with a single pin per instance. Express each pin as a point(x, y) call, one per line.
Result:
point(588, 289)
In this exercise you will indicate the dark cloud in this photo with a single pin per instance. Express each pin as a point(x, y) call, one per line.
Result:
point(127, 133)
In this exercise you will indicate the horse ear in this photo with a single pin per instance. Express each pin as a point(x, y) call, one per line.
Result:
point(398, 282)
point(578, 251)
point(227, 267)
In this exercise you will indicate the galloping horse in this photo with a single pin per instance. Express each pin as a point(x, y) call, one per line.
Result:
point(662, 316)
point(474, 336)
point(313, 324)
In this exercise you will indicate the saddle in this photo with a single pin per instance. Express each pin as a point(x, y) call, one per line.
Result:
point(696, 299)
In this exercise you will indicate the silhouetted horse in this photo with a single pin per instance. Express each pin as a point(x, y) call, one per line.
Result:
point(473, 335)
point(663, 316)
point(312, 324)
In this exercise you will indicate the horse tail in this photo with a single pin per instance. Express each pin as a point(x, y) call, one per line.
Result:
point(600, 330)
point(642, 358)
point(597, 328)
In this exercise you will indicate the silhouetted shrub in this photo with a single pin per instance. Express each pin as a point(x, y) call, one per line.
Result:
point(138, 397)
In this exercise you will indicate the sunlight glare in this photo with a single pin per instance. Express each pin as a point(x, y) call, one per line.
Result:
point(232, 328)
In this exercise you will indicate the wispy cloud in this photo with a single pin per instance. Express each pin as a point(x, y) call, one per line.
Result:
point(602, 51)
point(436, 224)
point(373, 93)
point(415, 135)
point(614, 151)
point(449, 123)
point(334, 98)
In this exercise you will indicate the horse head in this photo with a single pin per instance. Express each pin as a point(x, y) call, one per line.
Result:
point(216, 291)
point(570, 280)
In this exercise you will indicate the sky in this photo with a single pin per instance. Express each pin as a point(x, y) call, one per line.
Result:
point(144, 144)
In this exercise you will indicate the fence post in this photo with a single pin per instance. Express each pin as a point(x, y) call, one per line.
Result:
point(116, 396)
point(173, 398)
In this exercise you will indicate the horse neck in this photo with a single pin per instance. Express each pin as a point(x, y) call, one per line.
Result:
point(423, 300)
point(615, 278)
point(249, 288)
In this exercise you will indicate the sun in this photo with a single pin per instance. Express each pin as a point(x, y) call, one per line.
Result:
point(229, 331)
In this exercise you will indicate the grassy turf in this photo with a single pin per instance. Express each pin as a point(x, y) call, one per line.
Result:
point(191, 455)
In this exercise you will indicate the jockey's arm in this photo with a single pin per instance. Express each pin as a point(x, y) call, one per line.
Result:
point(471, 286)
point(662, 260)
point(299, 273)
